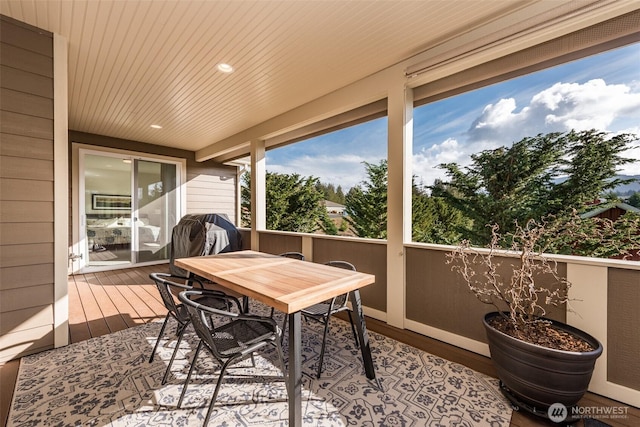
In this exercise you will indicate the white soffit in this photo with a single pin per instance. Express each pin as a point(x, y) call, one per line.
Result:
point(136, 63)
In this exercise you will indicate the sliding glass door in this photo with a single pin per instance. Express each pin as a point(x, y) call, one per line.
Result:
point(128, 207)
point(156, 204)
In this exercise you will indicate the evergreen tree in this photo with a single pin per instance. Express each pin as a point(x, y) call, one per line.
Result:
point(294, 203)
point(435, 221)
point(366, 204)
point(550, 174)
point(590, 163)
point(634, 200)
point(340, 198)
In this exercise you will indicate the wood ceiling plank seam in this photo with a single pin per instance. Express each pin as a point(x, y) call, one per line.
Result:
point(202, 103)
point(164, 75)
point(101, 85)
point(122, 107)
point(278, 52)
point(92, 19)
point(388, 26)
point(14, 10)
point(245, 67)
point(78, 11)
point(123, 60)
point(42, 16)
point(96, 42)
point(203, 59)
point(139, 78)
point(125, 97)
point(29, 13)
point(269, 88)
point(203, 100)
point(196, 87)
point(55, 17)
point(104, 86)
point(201, 55)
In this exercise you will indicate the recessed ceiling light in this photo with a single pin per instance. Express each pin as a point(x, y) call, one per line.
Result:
point(156, 126)
point(225, 68)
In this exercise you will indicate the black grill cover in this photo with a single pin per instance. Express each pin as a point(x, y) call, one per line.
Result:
point(202, 234)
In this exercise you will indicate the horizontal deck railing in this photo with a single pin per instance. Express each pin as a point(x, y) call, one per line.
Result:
point(605, 299)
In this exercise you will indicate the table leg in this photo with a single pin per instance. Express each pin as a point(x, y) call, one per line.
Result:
point(295, 370)
point(363, 336)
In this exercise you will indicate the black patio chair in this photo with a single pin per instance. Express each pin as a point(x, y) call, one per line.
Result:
point(235, 338)
point(294, 255)
point(169, 288)
point(323, 311)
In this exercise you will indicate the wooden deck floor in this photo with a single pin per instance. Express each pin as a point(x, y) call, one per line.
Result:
point(101, 303)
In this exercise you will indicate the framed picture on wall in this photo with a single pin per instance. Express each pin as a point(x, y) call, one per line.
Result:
point(110, 202)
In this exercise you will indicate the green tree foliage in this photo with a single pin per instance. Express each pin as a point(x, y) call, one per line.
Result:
point(366, 203)
point(331, 193)
point(634, 200)
point(590, 162)
point(435, 221)
point(550, 174)
point(293, 204)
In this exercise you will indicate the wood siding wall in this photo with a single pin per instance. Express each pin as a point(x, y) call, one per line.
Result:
point(211, 187)
point(26, 189)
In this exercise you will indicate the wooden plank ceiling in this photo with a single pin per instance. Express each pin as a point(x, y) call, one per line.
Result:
point(136, 63)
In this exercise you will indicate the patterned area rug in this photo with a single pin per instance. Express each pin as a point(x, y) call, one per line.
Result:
point(109, 381)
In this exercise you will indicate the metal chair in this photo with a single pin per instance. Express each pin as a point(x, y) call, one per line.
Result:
point(237, 338)
point(323, 311)
point(294, 255)
point(168, 290)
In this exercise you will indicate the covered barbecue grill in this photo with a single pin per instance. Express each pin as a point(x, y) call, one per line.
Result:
point(202, 234)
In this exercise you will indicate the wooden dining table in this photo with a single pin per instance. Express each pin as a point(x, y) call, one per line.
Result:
point(289, 285)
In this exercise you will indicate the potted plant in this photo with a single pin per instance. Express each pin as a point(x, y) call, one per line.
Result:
point(539, 361)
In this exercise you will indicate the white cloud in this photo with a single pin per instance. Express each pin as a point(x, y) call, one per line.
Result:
point(425, 162)
point(346, 170)
point(559, 108)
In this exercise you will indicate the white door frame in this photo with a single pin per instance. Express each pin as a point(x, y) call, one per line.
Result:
point(78, 265)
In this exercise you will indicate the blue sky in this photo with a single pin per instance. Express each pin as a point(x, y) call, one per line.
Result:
point(602, 91)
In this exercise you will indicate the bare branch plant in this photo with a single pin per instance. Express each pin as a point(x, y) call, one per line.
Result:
point(522, 292)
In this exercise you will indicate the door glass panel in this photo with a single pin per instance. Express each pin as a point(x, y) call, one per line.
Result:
point(156, 201)
point(107, 209)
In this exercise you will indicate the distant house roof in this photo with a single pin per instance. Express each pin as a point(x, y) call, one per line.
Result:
point(606, 206)
point(330, 204)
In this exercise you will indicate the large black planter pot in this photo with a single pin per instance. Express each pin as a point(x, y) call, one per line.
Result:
point(535, 377)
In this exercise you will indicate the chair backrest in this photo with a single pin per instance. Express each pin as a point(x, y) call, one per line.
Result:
point(294, 255)
point(341, 300)
point(168, 289)
point(201, 319)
